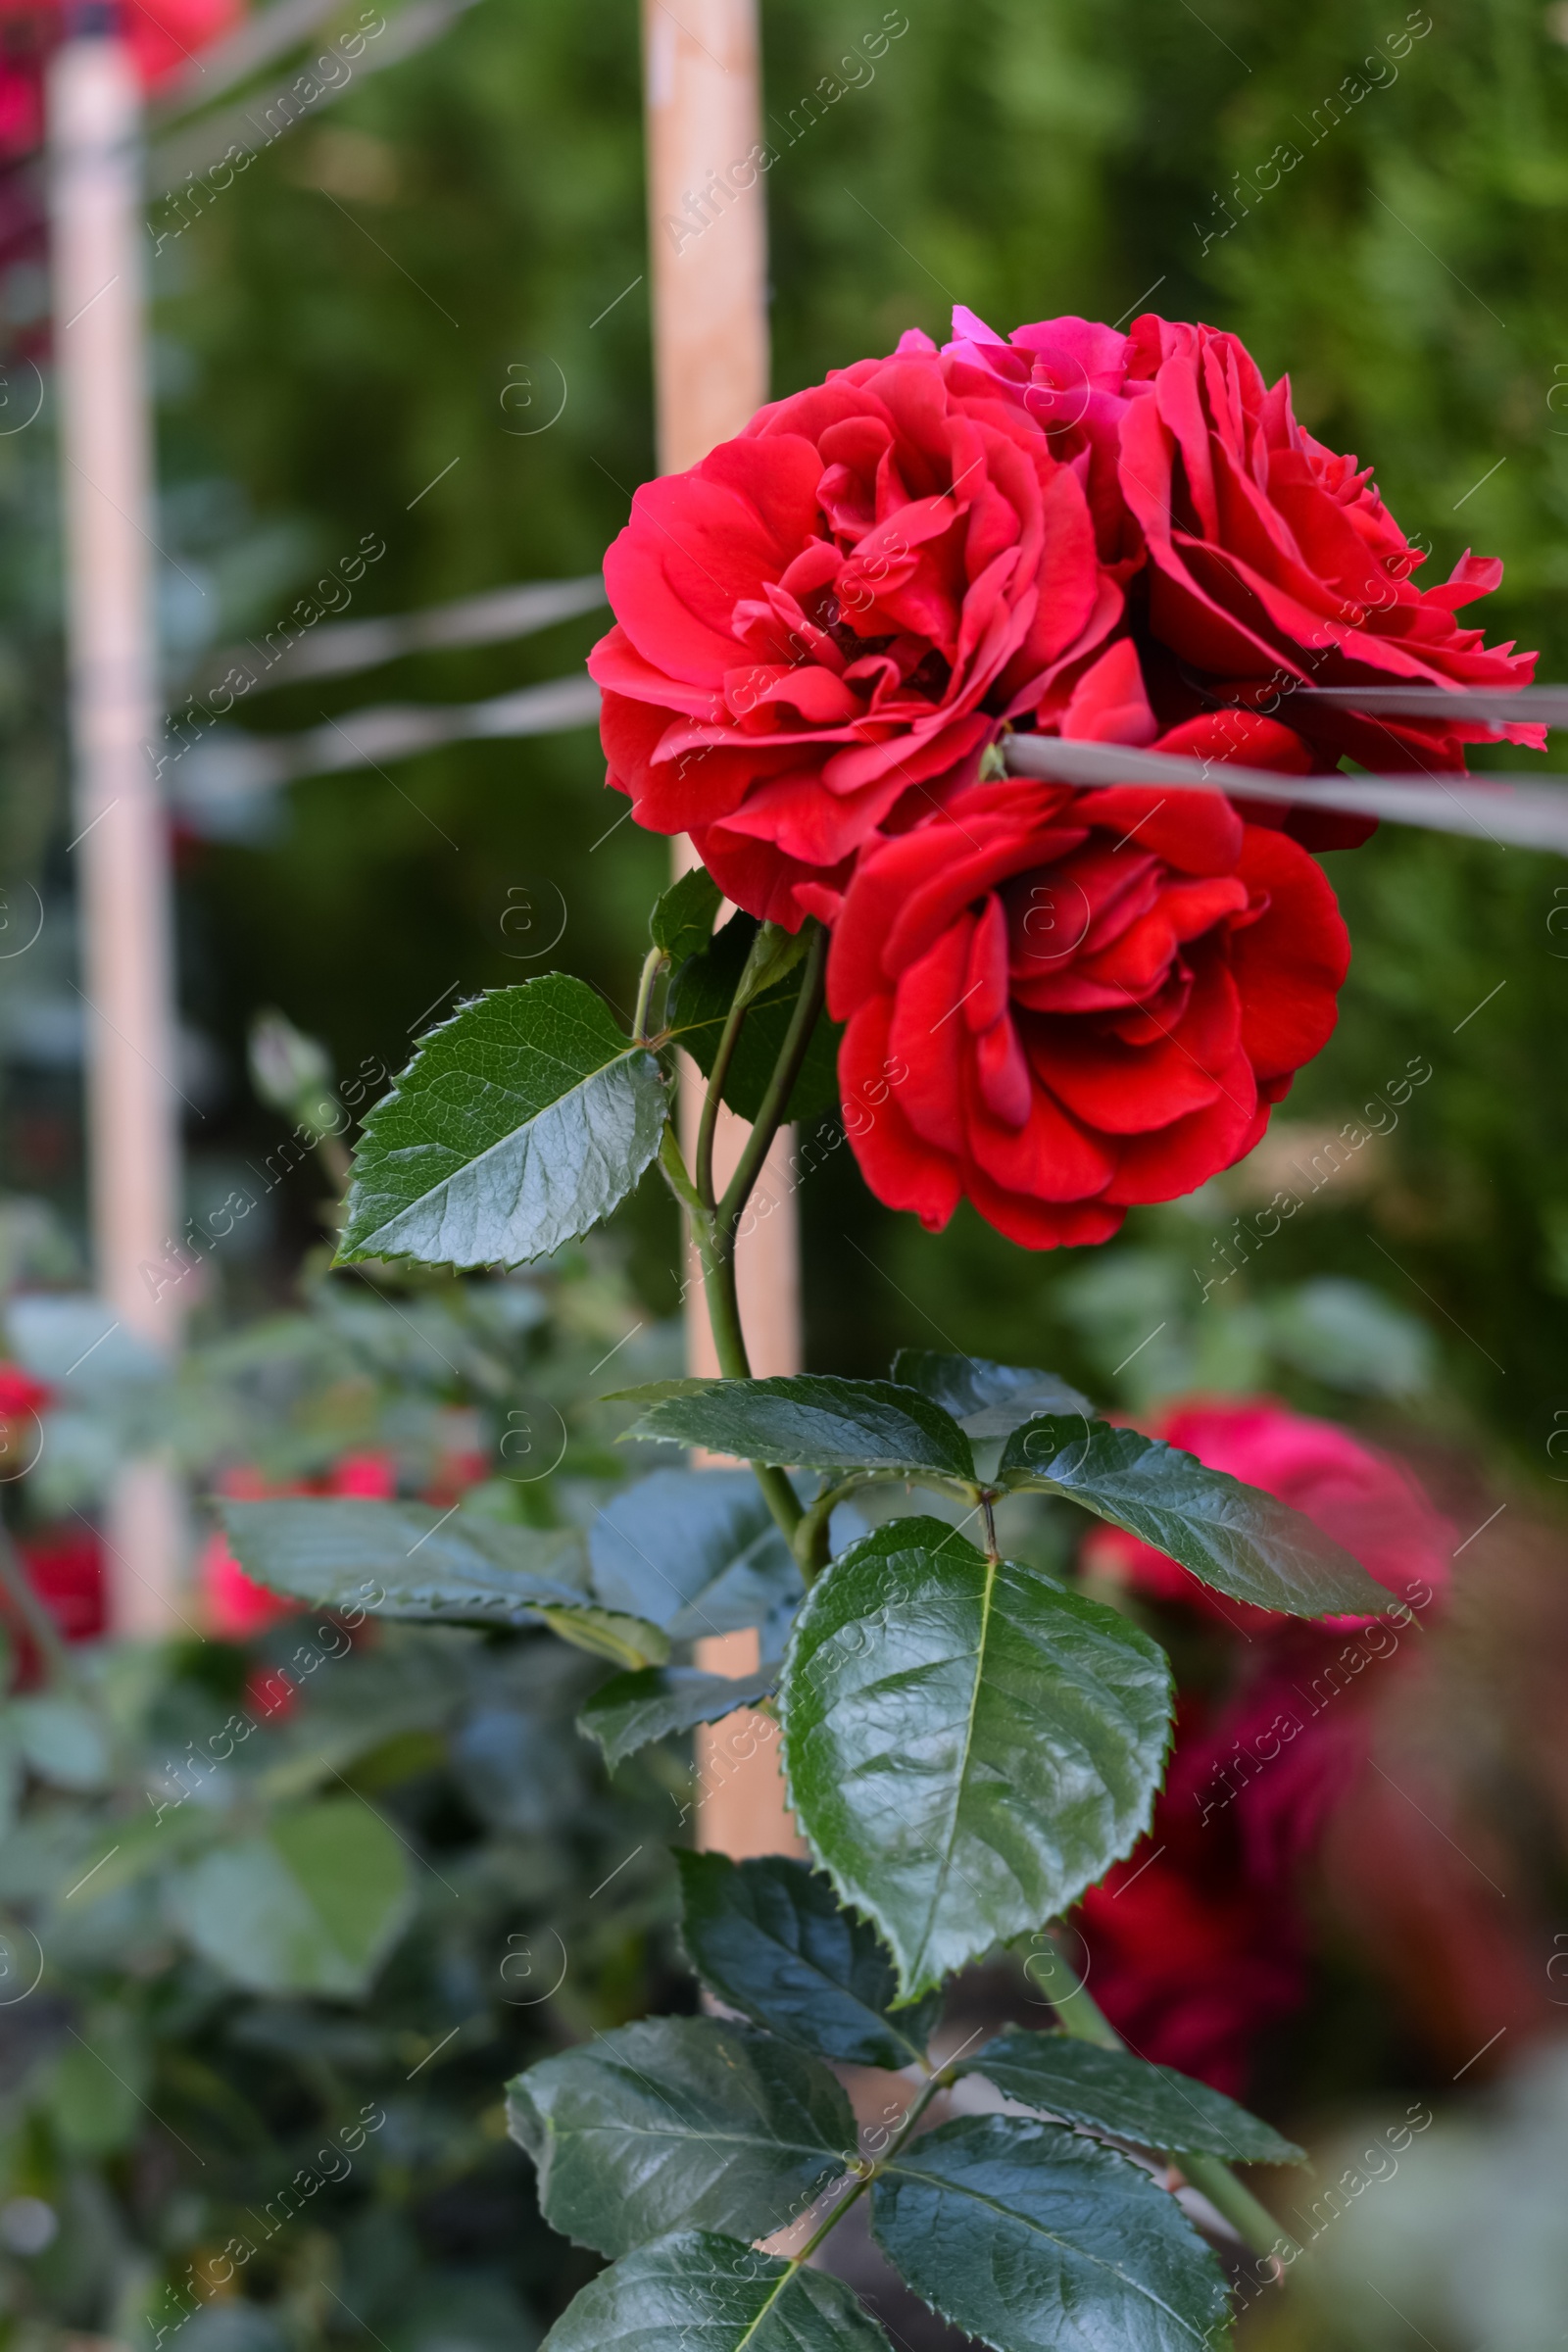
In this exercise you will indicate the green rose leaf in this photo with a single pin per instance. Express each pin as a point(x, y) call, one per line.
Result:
point(807, 1420)
point(698, 1551)
point(699, 2292)
point(683, 917)
point(771, 1941)
point(700, 997)
point(968, 1744)
point(404, 1559)
point(314, 1905)
point(991, 1401)
point(1238, 1540)
point(521, 1122)
point(631, 1710)
point(1113, 2090)
point(679, 2123)
point(1026, 2236)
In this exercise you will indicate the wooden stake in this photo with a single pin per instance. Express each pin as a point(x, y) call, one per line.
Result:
point(707, 267)
point(118, 824)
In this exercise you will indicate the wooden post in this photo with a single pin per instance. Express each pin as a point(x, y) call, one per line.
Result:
point(708, 271)
point(118, 824)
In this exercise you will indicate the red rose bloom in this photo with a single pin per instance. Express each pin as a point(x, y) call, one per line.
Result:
point(1085, 1000)
point(821, 626)
point(1270, 560)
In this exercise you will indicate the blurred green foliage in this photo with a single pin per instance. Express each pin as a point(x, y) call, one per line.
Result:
point(279, 1914)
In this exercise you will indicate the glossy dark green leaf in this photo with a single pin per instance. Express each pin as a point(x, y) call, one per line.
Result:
point(968, 1744)
point(699, 2292)
point(631, 1710)
point(1238, 1540)
point(679, 2123)
point(807, 1420)
point(698, 1551)
point(700, 999)
point(683, 917)
point(521, 1122)
point(1113, 2090)
point(989, 1401)
point(771, 1938)
point(1030, 2238)
point(404, 1559)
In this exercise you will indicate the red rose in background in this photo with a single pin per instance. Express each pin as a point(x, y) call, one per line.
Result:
point(821, 626)
point(64, 1567)
point(1199, 1943)
point(1092, 998)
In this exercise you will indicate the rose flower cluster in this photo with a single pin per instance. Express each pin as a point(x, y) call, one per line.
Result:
point(824, 631)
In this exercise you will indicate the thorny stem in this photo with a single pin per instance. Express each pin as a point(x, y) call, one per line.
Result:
point(1085, 2021)
point(707, 1125)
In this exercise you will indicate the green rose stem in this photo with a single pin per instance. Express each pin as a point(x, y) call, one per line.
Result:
point(715, 1224)
point(1085, 2021)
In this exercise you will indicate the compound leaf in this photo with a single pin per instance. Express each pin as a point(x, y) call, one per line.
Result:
point(683, 917)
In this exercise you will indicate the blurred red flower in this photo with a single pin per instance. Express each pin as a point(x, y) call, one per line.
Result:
point(1198, 1941)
